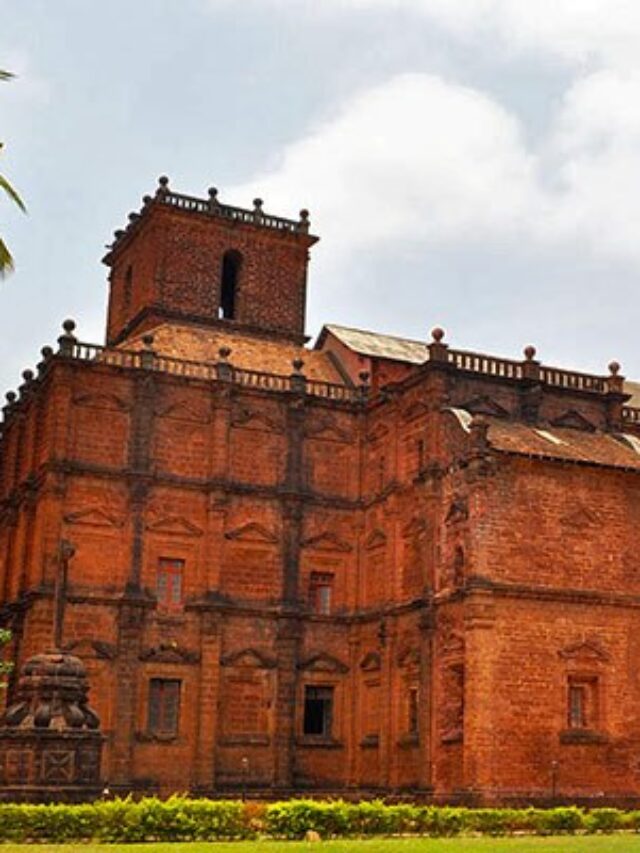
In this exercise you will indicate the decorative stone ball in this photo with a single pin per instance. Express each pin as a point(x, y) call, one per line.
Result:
point(437, 334)
point(69, 326)
point(529, 352)
point(614, 368)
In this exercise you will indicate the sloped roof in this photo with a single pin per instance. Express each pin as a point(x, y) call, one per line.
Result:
point(597, 448)
point(268, 355)
point(377, 345)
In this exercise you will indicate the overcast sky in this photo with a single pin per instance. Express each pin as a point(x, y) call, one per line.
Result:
point(473, 164)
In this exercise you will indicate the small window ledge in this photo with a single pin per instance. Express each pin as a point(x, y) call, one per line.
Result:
point(582, 736)
point(318, 742)
point(370, 742)
point(408, 740)
point(245, 740)
point(156, 737)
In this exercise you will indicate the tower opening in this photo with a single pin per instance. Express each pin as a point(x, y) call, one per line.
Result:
point(231, 262)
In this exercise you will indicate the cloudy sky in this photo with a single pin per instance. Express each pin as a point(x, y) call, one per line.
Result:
point(473, 164)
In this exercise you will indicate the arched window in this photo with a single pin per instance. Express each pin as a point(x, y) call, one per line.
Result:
point(231, 262)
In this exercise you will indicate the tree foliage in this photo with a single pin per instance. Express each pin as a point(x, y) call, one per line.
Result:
point(6, 259)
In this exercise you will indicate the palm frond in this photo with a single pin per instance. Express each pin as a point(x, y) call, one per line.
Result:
point(13, 194)
point(6, 75)
point(6, 261)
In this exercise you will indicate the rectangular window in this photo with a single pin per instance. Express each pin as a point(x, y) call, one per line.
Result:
point(169, 583)
point(412, 715)
point(164, 706)
point(318, 711)
point(321, 592)
point(582, 703)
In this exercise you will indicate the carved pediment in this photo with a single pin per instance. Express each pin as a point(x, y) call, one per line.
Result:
point(175, 525)
point(573, 420)
point(414, 528)
point(109, 402)
point(371, 662)
point(376, 539)
point(93, 518)
point(579, 517)
point(408, 657)
point(99, 649)
point(484, 405)
point(252, 532)
point(378, 432)
point(326, 428)
point(326, 541)
point(322, 662)
point(415, 410)
point(169, 653)
point(250, 658)
point(458, 511)
point(250, 418)
point(183, 411)
point(584, 650)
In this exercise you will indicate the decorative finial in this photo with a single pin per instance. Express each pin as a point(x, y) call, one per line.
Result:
point(614, 368)
point(147, 340)
point(529, 352)
point(146, 199)
point(363, 376)
point(257, 205)
point(46, 353)
point(11, 397)
point(224, 353)
point(298, 364)
point(133, 216)
point(213, 193)
point(118, 233)
point(437, 334)
point(304, 215)
point(27, 375)
point(163, 181)
point(69, 326)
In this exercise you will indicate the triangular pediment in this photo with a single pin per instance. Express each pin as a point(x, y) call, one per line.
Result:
point(484, 405)
point(408, 657)
point(584, 650)
point(255, 419)
point(175, 525)
point(376, 539)
point(378, 432)
point(327, 429)
point(250, 658)
point(93, 518)
point(326, 541)
point(370, 662)
point(182, 411)
point(169, 653)
point(109, 402)
point(323, 662)
point(85, 648)
point(252, 532)
point(458, 511)
point(579, 517)
point(415, 410)
point(573, 420)
point(414, 528)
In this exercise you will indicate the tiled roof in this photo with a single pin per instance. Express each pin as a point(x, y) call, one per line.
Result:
point(195, 343)
point(380, 346)
point(599, 448)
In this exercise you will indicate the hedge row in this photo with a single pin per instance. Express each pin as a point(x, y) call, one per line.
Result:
point(181, 819)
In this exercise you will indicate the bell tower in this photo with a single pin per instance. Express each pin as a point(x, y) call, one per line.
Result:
point(199, 261)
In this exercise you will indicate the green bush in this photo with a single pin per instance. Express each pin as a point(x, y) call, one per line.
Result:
point(183, 819)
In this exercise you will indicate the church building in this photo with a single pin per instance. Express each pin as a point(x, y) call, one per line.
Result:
point(370, 566)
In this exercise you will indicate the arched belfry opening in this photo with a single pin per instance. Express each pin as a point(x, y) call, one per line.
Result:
point(231, 263)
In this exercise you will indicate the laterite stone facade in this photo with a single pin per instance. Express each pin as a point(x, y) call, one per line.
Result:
point(371, 566)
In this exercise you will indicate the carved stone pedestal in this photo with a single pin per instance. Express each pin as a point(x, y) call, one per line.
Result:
point(50, 742)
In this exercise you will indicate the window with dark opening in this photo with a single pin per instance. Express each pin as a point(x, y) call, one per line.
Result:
point(169, 583)
point(128, 286)
point(318, 711)
point(582, 710)
point(164, 706)
point(231, 262)
point(321, 592)
point(412, 721)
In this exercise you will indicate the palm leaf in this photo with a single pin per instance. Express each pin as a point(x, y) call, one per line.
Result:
point(6, 75)
point(13, 195)
point(6, 261)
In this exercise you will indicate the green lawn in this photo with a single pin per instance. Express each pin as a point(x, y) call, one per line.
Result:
point(557, 844)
